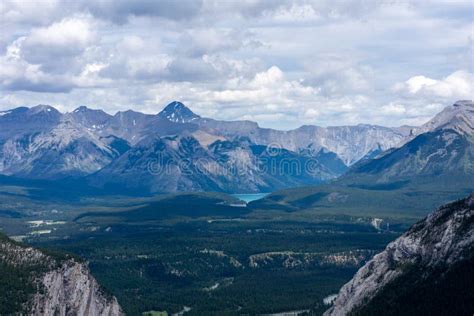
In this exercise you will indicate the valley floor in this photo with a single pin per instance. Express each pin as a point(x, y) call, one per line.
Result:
point(225, 267)
point(207, 252)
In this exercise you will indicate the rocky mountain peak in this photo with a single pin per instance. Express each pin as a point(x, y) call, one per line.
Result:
point(80, 109)
point(464, 103)
point(177, 112)
point(459, 117)
point(130, 114)
point(42, 109)
point(89, 117)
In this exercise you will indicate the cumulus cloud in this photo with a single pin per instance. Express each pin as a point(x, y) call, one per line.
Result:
point(53, 47)
point(75, 32)
point(270, 87)
point(30, 62)
point(458, 85)
point(17, 74)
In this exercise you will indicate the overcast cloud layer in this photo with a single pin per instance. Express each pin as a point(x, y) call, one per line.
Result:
point(280, 63)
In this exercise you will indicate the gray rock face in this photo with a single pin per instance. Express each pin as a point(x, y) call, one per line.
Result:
point(443, 239)
point(63, 285)
point(71, 290)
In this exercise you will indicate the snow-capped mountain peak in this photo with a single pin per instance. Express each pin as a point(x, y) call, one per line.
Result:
point(177, 112)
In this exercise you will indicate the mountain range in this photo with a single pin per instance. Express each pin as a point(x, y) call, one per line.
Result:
point(178, 150)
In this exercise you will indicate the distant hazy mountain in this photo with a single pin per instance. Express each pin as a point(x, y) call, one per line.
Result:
point(427, 271)
point(349, 143)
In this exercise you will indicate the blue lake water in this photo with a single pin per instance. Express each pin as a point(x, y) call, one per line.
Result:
point(250, 196)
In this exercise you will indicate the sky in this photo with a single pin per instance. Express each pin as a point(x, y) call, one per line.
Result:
point(280, 63)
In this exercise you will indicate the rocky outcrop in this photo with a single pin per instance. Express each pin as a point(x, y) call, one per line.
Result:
point(432, 255)
point(55, 284)
point(71, 290)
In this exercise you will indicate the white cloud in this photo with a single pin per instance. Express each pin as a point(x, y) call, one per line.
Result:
point(58, 42)
point(415, 84)
point(20, 11)
point(18, 73)
point(69, 31)
point(269, 87)
point(311, 113)
point(272, 77)
point(458, 85)
point(63, 47)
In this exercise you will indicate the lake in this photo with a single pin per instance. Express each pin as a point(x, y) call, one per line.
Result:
point(250, 196)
